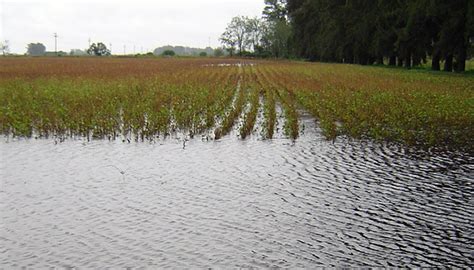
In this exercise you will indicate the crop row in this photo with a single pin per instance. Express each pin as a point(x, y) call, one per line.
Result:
point(146, 98)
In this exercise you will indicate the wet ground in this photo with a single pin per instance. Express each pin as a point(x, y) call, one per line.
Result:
point(233, 203)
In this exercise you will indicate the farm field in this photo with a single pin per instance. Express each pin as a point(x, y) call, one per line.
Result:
point(263, 134)
point(144, 99)
point(165, 163)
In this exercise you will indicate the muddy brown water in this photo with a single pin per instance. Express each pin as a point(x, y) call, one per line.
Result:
point(233, 203)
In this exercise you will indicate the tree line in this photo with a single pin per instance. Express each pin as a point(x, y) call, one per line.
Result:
point(268, 36)
point(394, 32)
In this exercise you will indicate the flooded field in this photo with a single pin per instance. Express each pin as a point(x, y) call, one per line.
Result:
point(232, 203)
point(232, 164)
point(109, 97)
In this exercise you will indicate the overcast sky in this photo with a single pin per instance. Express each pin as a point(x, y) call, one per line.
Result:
point(143, 24)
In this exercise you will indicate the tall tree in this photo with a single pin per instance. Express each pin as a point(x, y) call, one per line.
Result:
point(236, 34)
point(229, 41)
point(255, 31)
point(275, 10)
point(278, 30)
point(367, 31)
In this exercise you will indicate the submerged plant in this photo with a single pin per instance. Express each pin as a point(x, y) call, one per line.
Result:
point(145, 98)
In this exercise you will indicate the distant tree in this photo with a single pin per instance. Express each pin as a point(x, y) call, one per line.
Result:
point(169, 53)
point(276, 29)
point(203, 54)
point(244, 35)
point(276, 37)
point(98, 49)
point(218, 52)
point(255, 31)
point(77, 52)
point(236, 34)
point(36, 49)
point(229, 41)
point(5, 47)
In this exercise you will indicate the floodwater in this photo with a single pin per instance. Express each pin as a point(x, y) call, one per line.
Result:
point(233, 204)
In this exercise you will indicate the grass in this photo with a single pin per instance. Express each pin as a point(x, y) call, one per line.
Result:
point(144, 98)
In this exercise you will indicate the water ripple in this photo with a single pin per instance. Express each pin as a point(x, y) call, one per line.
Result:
point(233, 203)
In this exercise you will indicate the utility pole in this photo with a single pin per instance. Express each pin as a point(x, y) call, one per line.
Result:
point(56, 43)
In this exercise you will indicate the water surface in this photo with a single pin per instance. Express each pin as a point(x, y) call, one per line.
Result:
point(232, 203)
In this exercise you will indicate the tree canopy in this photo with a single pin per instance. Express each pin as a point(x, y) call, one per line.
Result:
point(394, 32)
point(36, 49)
point(367, 32)
point(168, 53)
point(98, 49)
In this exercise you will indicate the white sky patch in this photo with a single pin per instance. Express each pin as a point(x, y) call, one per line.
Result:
point(140, 24)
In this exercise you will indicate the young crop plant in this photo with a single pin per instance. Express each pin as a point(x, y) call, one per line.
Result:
point(234, 112)
point(251, 116)
point(147, 97)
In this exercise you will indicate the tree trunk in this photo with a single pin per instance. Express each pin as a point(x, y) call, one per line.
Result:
point(448, 63)
point(416, 61)
point(400, 61)
point(461, 60)
point(392, 60)
point(408, 61)
point(435, 62)
point(363, 59)
point(371, 60)
point(349, 58)
point(379, 60)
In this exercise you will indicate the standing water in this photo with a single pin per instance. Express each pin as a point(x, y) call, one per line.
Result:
point(233, 203)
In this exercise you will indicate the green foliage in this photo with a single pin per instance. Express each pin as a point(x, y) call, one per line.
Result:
point(269, 36)
point(169, 53)
point(366, 32)
point(218, 52)
point(36, 49)
point(98, 49)
point(275, 10)
point(236, 35)
point(105, 98)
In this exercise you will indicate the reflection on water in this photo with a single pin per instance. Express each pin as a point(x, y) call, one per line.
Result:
point(232, 203)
